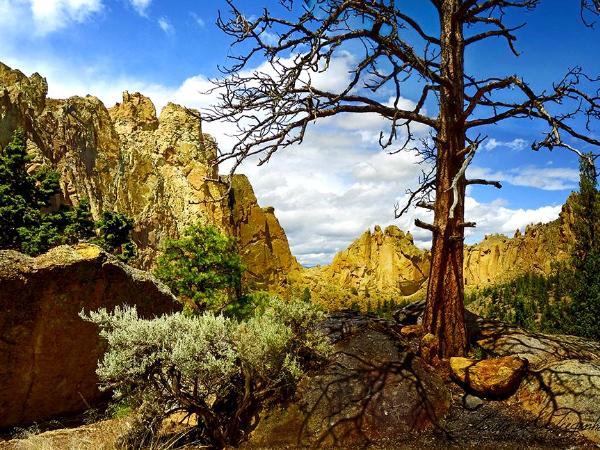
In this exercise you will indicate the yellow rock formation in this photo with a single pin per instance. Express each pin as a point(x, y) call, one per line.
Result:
point(384, 265)
point(498, 258)
point(156, 170)
point(377, 267)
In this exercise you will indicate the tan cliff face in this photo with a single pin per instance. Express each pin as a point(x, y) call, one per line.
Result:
point(498, 258)
point(386, 265)
point(157, 170)
point(262, 243)
point(377, 267)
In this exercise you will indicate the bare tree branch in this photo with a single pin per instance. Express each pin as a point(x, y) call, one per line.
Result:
point(393, 53)
point(470, 151)
point(426, 226)
point(425, 205)
point(496, 184)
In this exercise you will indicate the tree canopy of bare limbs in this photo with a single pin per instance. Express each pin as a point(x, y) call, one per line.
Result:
point(272, 108)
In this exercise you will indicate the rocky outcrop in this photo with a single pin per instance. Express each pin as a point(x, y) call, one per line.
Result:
point(561, 387)
point(384, 265)
point(48, 355)
point(565, 394)
point(262, 243)
point(499, 259)
point(372, 389)
point(157, 170)
point(377, 267)
point(538, 348)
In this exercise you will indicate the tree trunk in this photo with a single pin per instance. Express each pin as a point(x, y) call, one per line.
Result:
point(444, 314)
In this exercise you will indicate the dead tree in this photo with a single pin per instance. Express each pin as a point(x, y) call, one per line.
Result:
point(271, 109)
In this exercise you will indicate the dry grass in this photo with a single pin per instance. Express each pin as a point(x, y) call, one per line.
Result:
point(98, 436)
point(102, 435)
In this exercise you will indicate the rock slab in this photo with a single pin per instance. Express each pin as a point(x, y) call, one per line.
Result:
point(565, 394)
point(48, 354)
point(372, 389)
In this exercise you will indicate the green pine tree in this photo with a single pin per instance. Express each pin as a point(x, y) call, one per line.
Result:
point(585, 258)
point(29, 224)
point(26, 222)
point(115, 235)
point(202, 268)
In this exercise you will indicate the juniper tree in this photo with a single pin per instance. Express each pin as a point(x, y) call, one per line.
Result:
point(203, 268)
point(28, 223)
point(273, 108)
point(115, 234)
point(585, 258)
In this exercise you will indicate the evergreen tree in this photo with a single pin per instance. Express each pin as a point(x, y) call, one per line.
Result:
point(115, 235)
point(585, 258)
point(27, 223)
point(79, 224)
point(202, 268)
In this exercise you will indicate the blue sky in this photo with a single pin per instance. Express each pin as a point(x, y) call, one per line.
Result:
point(337, 183)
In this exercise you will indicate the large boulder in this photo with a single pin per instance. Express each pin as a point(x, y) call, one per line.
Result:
point(561, 388)
point(48, 354)
point(371, 390)
point(565, 394)
point(494, 377)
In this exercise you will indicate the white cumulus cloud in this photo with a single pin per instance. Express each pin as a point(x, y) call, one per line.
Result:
point(52, 15)
point(141, 6)
point(546, 178)
point(516, 144)
point(199, 20)
point(496, 217)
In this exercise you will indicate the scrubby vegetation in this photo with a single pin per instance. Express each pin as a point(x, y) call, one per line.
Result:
point(115, 235)
point(218, 369)
point(532, 301)
point(202, 268)
point(31, 224)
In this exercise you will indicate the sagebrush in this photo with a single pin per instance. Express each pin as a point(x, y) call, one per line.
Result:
point(219, 369)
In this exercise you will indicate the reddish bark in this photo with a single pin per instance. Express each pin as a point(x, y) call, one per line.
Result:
point(444, 313)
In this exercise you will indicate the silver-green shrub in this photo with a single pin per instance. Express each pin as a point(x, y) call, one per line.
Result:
point(215, 367)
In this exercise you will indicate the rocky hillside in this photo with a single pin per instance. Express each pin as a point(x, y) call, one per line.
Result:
point(377, 267)
point(156, 170)
point(384, 265)
point(498, 258)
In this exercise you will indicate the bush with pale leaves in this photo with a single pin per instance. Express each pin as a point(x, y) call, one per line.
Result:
point(216, 368)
